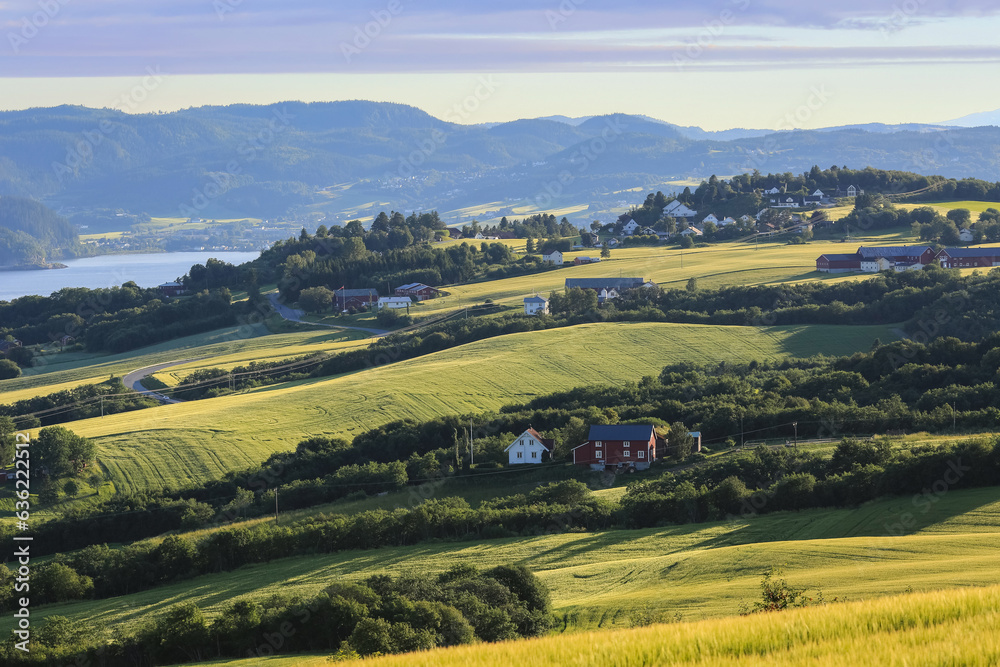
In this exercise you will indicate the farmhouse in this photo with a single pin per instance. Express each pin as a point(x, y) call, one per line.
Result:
point(8, 345)
point(966, 236)
point(617, 446)
point(171, 289)
point(711, 218)
point(969, 258)
point(630, 227)
point(536, 305)
point(419, 290)
point(345, 299)
point(692, 231)
point(529, 447)
point(586, 260)
point(554, 257)
point(394, 302)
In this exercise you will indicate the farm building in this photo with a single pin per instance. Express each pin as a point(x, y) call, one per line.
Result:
point(617, 446)
point(171, 289)
point(692, 231)
point(419, 290)
point(529, 447)
point(345, 299)
point(554, 257)
point(8, 345)
point(394, 302)
point(586, 260)
point(785, 201)
point(536, 305)
point(630, 227)
point(897, 258)
point(969, 258)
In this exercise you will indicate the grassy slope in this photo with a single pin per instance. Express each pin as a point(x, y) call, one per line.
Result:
point(183, 443)
point(938, 628)
point(236, 343)
point(703, 571)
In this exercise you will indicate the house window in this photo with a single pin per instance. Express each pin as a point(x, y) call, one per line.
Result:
point(642, 455)
point(534, 455)
point(599, 454)
point(628, 454)
point(628, 444)
point(519, 455)
point(598, 443)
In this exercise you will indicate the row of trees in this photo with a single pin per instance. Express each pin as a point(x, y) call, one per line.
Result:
point(381, 615)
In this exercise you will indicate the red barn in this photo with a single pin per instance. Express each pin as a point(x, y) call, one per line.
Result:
point(618, 446)
point(419, 290)
point(838, 263)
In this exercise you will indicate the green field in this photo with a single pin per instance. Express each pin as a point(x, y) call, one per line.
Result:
point(186, 443)
point(598, 580)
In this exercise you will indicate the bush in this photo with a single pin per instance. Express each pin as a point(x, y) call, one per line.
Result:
point(9, 370)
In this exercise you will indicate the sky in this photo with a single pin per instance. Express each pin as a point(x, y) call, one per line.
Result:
point(771, 64)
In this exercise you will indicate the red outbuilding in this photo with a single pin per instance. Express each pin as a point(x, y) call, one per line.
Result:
point(617, 446)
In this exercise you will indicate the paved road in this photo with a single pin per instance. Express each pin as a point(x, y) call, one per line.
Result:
point(295, 315)
point(134, 379)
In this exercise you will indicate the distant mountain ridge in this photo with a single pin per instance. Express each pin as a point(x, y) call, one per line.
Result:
point(337, 159)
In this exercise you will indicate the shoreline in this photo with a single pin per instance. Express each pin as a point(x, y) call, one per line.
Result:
point(34, 267)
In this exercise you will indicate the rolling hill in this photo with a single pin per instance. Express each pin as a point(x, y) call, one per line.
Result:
point(265, 161)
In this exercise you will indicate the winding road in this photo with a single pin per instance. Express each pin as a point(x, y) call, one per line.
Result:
point(134, 379)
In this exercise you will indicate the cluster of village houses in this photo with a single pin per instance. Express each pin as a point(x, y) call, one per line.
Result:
point(608, 447)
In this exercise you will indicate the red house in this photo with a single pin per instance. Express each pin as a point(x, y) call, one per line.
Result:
point(419, 290)
point(345, 299)
point(619, 446)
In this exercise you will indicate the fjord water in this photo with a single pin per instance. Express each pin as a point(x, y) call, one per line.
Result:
point(147, 270)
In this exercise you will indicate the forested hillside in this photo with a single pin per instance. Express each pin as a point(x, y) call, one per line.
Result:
point(265, 161)
point(32, 234)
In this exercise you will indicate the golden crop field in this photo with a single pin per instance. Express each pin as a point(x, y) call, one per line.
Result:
point(185, 443)
point(600, 580)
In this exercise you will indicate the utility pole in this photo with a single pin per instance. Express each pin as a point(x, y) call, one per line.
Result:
point(276, 505)
point(102, 407)
point(741, 430)
point(795, 425)
point(472, 451)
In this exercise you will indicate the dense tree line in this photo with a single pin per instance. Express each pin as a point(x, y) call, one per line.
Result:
point(766, 480)
point(381, 615)
point(116, 319)
point(541, 225)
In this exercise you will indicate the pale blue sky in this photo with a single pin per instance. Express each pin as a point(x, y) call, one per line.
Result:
point(717, 64)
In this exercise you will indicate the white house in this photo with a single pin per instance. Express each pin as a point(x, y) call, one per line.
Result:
point(649, 231)
point(965, 236)
point(853, 191)
point(725, 222)
point(554, 257)
point(692, 231)
point(529, 447)
point(612, 243)
point(711, 218)
point(772, 191)
point(746, 218)
point(818, 193)
point(675, 209)
point(536, 305)
point(394, 302)
point(630, 227)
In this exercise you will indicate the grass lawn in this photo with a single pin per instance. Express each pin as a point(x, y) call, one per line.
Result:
point(186, 443)
point(700, 571)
